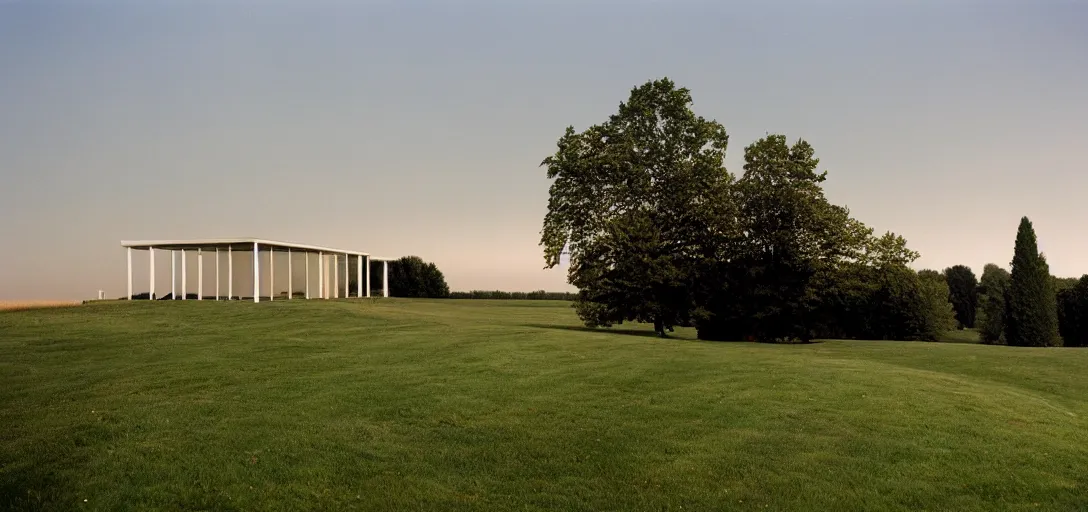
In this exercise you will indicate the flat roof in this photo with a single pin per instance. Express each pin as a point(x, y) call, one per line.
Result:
point(242, 244)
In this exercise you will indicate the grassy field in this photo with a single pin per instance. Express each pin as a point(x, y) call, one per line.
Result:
point(477, 405)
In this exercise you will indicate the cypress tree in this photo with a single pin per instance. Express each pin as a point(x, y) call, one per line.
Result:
point(1031, 304)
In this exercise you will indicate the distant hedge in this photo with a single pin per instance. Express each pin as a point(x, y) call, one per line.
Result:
point(500, 295)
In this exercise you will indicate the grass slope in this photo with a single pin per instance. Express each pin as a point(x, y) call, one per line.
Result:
point(451, 405)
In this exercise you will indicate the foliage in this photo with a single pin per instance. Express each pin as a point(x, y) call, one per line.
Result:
point(802, 267)
point(991, 316)
point(789, 233)
point(637, 202)
point(410, 276)
point(1031, 317)
point(1064, 283)
point(940, 315)
point(659, 231)
point(963, 293)
point(1073, 314)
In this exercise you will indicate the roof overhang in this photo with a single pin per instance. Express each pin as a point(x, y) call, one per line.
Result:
point(242, 244)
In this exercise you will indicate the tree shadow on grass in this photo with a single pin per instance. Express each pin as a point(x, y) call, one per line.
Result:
point(606, 330)
point(651, 334)
point(26, 487)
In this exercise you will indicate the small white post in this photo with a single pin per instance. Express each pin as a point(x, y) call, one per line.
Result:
point(173, 276)
point(347, 277)
point(359, 277)
point(230, 272)
point(320, 275)
point(183, 279)
point(216, 273)
point(307, 255)
point(129, 251)
point(271, 273)
point(200, 274)
point(385, 279)
point(256, 273)
point(335, 276)
point(368, 276)
point(151, 292)
point(289, 276)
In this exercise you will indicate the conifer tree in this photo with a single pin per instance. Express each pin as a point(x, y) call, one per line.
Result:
point(1031, 315)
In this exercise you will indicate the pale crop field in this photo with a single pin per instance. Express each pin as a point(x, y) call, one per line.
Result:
point(16, 305)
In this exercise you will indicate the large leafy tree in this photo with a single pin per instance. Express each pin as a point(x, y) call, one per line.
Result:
point(410, 276)
point(1073, 314)
point(963, 293)
point(639, 202)
point(889, 300)
point(790, 239)
point(1031, 317)
point(940, 312)
point(992, 289)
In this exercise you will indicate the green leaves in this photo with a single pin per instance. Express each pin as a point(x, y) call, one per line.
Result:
point(410, 276)
point(993, 287)
point(636, 201)
point(1073, 314)
point(1031, 317)
point(659, 231)
point(963, 293)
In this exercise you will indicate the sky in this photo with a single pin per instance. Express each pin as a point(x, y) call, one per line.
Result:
point(418, 127)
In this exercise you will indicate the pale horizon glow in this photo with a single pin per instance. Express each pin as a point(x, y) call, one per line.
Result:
point(418, 127)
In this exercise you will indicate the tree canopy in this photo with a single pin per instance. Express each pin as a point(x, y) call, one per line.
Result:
point(1073, 314)
point(410, 276)
point(659, 231)
point(1031, 311)
point(993, 288)
point(963, 294)
point(636, 202)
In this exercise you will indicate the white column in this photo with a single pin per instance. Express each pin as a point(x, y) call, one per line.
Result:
point(151, 276)
point(320, 275)
point(216, 273)
point(129, 251)
point(183, 279)
point(368, 276)
point(271, 273)
point(307, 255)
point(200, 274)
point(289, 276)
point(359, 277)
point(173, 276)
point(230, 272)
point(385, 279)
point(256, 273)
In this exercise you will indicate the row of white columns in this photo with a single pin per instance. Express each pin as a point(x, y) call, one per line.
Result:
point(324, 290)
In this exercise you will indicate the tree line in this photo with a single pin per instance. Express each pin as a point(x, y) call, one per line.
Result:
point(659, 231)
point(1025, 307)
point(410, 276)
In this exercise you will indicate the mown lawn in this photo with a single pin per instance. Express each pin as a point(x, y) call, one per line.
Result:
point(451, 405)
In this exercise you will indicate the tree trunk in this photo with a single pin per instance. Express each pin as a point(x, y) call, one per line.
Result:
point(659, 327)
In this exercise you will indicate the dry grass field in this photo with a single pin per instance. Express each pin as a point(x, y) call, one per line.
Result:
point(17, 305)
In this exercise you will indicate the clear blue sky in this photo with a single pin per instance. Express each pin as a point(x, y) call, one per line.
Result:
point(417, 127)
